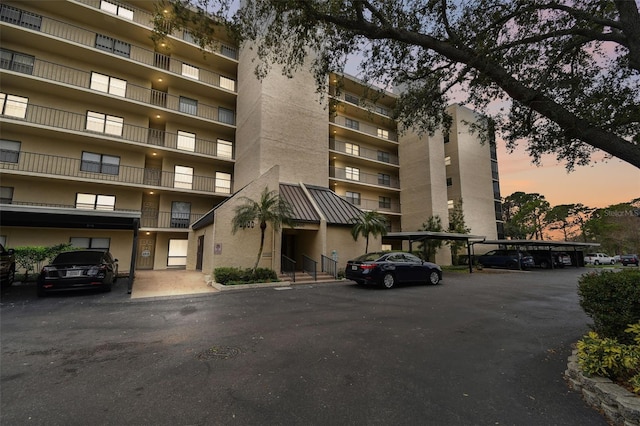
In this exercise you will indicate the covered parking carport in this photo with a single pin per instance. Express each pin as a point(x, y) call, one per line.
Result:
point(547, 245)
point(420, 236)
point(30, 216)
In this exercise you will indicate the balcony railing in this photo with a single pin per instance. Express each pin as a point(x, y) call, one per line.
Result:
point(145, 19)
point(369, 154)
point(78, 35)
point(59, 119)
point(366, 178)
point(47, 165)
point(171, 220)
point(75, 77)
point(360, 101)
point(366, 129)
point(365, 204)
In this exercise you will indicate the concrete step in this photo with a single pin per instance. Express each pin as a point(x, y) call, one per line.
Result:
point(304, 278)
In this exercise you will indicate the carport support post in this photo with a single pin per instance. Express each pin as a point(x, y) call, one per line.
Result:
point(469, 257)
point(134, 251)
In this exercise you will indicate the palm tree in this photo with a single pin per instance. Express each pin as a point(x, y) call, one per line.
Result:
point(369, 223)
point(270, 209)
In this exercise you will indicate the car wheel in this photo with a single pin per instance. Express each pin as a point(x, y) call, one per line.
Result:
point(512, 265)
point(544, 264)
point(434, 278)
point(595, 262)
point(388, 281)
point(10, 278)
point(613, 262)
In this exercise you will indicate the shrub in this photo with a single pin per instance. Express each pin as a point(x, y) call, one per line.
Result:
point(31, 258)
point(612, 300)
point(606, 357)
point(231, 276)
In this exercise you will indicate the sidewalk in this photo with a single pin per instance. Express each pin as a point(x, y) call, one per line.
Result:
point(170, 282)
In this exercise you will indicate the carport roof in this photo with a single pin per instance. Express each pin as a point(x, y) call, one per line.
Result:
point(425, 235)
point(538, 243)
point(67, 217)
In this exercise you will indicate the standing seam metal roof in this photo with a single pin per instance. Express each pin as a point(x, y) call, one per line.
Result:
point(336, 210)
point(303, 210)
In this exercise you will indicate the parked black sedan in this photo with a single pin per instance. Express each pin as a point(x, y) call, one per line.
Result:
point(390, 268)
point(80, 269)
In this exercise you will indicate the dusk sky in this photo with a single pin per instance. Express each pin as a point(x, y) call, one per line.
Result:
point(599, 184)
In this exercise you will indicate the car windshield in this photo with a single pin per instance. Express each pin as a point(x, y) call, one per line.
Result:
point(79, 257)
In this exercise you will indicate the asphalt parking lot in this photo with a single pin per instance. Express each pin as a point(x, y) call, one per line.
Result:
point(488, 348)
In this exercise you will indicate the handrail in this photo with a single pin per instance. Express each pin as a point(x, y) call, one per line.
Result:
point(310, 267)
point(329, 266)
point(288, 267)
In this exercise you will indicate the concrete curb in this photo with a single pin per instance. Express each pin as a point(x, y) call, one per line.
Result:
point(620, 406)
point(248, 286)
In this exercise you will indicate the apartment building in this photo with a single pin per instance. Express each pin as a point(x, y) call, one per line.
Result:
point(109, 140)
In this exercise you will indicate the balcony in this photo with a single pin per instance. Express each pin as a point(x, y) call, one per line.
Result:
point(145, 19)
point(154, 98)
point(83, 37)
point(167, 220)
point(365, 153)
point(44, 165)
point(393, 207)
point(358, 101)
point(70, 121)
point(363, 178)
point(366, 129)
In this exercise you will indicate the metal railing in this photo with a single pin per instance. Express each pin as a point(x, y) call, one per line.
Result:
point(360, 101)
point(145, 19)
point(168, 220)
point(329, 266)
point(367, 204)
point(366, 128)
point(288, 267)
point(46, 165)
point(360, 177)
point(369, 154)
point(67, 120)
point(310, 267)
point(79, 35)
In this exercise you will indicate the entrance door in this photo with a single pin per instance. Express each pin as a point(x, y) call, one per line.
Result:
point(200, 253)
point(144, 258)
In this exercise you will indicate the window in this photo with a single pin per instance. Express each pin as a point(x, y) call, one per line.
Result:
point(116, 9)
point(186, 141)
point(90, 243)
point(18, 62)
point(20, 17)
point(188, 37)
point(353, 198)
point(227, 83)
point(180, 214)
point(6, 194)
point(384, 179)
point(14, 106)
point(177, 252)
point(382, 133)
point(351, 148)
point(446, 137)
point(352, 99)
point(352, 124)
point(100, 163)
point(225, 116)
point(352, 173)
point(494, 170)
point(447, 161)
point(183, 177)
point(190, 71)
point(229, 52)
point(113, 45)
point(103, 123)
point(107, 84)
point(449, 182)
point(225, 149)
point(496, 190)
point(384, 156)
point(188, 106)
point(95, 201)
point(9, 151)
point(384, 202)
point(382, 110)
point(450, 204)
point(223, 182)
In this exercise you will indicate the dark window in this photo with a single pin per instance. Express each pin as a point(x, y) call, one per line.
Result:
point(449, 182)
point(384, 202)
point(100, 163)
point(351, 99)
point(9, 151)
point(353, 198)
point(496, 190)
point(383, 156)
point(446, 138)
point(494, 170)
point(225, 116)
point(352, 124)
point(15, 61)
point(6, 194)
point(180, 214)
point(113, 45)
point(20, 17)
point(384, 179)
point(188, 106)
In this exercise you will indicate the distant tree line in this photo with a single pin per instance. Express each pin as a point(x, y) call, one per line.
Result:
point(530, 216)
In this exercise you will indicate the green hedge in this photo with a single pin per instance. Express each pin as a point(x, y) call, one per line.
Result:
point(612, 300)
point(232, 276)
